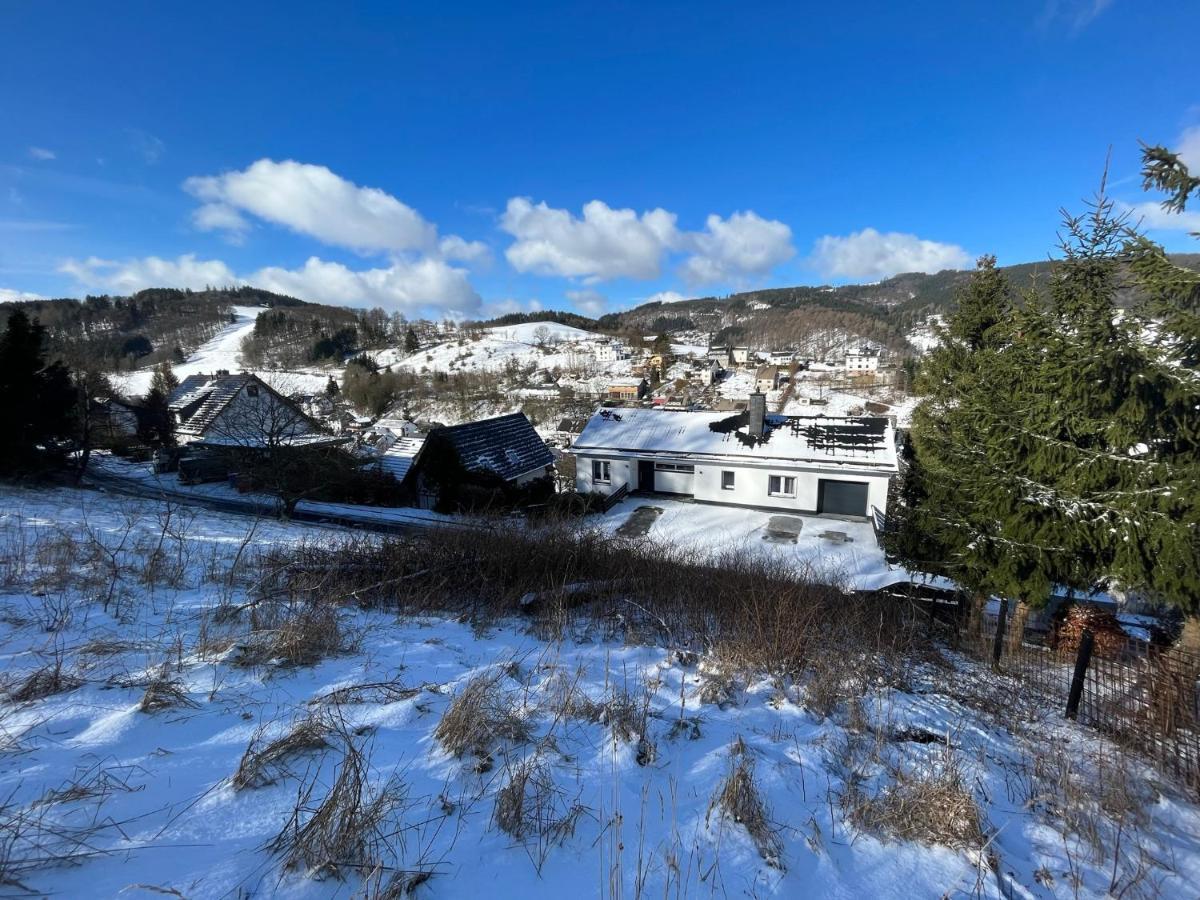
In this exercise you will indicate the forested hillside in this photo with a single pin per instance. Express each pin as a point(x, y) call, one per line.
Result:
point(117, 334)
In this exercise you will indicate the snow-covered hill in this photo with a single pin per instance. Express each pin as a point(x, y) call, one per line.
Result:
point(224, 351)
point(537, 345)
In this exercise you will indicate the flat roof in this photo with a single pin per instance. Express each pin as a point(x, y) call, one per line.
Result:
point(862, 442)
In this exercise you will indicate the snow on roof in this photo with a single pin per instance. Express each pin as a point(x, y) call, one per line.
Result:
point(507, 446)
point(398, 458)
point(863, 442)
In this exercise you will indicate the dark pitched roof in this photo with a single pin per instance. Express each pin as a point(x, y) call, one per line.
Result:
point(506, 446)
point(189, 385)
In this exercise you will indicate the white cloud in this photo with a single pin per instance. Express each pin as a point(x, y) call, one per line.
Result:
point(10, 295)
point(732, 249)
point(605, 243)
point(408, 286)
point(128, 276)
point(452, 247)
point(1188, 149)
point(219, 217)
point(1151, 215)
point(871, 254)
point(42, 153)
point(665, 297)
point(315, 201)
point(589, 302)
point(402, 285)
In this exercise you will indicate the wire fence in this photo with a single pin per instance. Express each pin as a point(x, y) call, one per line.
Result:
point(1143, 696)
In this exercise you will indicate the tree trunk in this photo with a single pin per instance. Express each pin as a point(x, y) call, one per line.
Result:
point(1016, 626)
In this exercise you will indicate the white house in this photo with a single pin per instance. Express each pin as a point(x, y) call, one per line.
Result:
point(864, 359)
point(805, 464)
point(766, 379)
point(607, 351)
point(239, 411)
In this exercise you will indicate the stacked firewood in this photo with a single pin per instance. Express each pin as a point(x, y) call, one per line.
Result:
point(1110, 637)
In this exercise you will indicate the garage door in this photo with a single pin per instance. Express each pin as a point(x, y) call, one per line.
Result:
point(674, 478)
point(842, 498)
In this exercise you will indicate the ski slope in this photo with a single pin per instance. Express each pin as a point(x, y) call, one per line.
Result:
point(222, 351)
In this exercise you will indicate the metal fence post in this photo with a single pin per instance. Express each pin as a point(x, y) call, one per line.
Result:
point(998, 643)
point(1082, 658)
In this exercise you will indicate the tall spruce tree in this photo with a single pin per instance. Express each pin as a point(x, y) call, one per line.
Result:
point(1057, 445)
point(39, 399)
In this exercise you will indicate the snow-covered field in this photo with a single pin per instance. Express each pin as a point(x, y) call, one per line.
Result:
point(621, 752)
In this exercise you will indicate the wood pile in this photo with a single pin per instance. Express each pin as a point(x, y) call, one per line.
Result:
point(1070, 623)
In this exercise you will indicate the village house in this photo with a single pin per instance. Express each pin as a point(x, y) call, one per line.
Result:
point(766, 379)
point(607, 351)
point(239, 411)
point(478, 464)
point(729, 356)
point(863, 359)
point(627, 390)
point(804, 464)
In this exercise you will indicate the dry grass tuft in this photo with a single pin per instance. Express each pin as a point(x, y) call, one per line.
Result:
point(41, 683)
point(739, 798)
point(163, 693)
point(381, 692)
point(265, 762)
point(934, 807)
point(346, 829)
point(298, 635)
point(530, 804)
point(479, 716)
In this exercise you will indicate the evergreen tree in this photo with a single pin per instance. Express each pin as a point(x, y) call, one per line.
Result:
point(163, 380)
point(155, 424)
point(1056, 446)
point(39, 399)
point(411, 344)
point(331, 388)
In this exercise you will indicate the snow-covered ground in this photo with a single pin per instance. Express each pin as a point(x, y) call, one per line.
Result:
point(545, 345)
point(858, 563)
point(122, 801)
point(224, 351)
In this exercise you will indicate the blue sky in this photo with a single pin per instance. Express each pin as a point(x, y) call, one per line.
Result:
point(478, 158)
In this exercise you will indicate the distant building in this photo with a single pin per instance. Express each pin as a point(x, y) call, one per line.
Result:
point(478, 464)
point(816, 465)
point(607, 351)
point(627, 389)
point(729, 356)
point(864, 359)
point(766, 379)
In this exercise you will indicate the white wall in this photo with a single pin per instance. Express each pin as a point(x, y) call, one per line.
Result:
point(623, 471)
point(750, 487)
point(750, 483)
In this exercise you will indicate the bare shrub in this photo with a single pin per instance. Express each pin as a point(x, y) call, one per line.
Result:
point(739, 798)
point(265, 761)
point(480, 716)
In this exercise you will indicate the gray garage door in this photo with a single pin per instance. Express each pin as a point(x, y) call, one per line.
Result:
point(842, 498)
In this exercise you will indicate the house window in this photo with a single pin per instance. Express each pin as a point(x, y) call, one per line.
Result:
point(601, 472)
point(252, 390)
point(727, 481)
point(674, 467)
point(781, 486)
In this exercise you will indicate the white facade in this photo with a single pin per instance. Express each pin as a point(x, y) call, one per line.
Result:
point(715, 467)
point(864, 360)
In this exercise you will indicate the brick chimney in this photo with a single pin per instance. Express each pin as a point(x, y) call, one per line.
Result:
point(758, 414)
